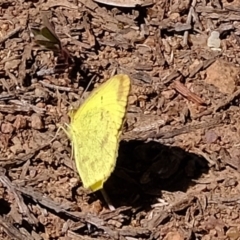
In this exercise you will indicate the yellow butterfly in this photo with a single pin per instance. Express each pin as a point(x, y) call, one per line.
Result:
point(95, 130)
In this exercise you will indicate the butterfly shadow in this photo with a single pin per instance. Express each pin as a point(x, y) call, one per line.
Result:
point(144, 170)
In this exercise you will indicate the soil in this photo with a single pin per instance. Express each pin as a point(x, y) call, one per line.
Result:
point(177, 173)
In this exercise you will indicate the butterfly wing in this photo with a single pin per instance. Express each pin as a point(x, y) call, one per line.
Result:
point(95, 130)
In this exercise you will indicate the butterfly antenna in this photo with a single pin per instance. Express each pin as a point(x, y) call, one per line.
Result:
point(90, 82)
point(113, 72)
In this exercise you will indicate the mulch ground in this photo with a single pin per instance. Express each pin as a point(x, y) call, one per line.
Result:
point(177, 175)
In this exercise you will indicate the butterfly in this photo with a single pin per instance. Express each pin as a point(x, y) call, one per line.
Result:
point(95, 130)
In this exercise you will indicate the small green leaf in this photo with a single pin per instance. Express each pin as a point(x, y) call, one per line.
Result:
point(46, 36)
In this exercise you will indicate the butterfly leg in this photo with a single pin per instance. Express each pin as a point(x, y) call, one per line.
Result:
point(107, 199)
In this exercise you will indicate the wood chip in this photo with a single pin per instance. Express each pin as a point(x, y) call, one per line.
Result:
point(126, 3)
